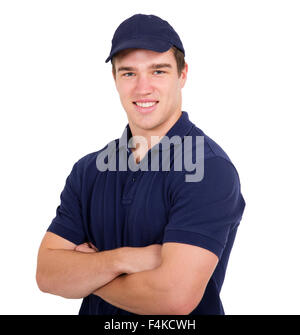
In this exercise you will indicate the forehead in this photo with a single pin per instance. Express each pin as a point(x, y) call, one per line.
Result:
point(130, 57)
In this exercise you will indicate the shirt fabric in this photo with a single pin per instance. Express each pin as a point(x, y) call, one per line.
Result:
point(114, 209)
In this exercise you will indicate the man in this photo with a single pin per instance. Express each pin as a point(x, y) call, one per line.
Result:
point(140, 240)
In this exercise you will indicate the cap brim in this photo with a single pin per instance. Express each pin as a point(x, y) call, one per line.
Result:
point(144, 43)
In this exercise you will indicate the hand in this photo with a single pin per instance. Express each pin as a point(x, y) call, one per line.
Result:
point(144, 258)
point(137, 259)
point(86, 247)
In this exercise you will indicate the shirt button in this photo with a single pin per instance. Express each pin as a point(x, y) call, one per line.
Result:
point(133, 179)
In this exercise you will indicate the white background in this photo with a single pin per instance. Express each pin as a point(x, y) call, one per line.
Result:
point(58, 103)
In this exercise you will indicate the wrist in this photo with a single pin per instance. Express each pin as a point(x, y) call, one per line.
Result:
point(120, 258)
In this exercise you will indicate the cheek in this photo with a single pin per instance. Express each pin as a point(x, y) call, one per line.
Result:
point(125, 95)
point(170, 94)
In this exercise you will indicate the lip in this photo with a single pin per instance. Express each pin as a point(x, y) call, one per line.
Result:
point(146, 100)
point(145, 110)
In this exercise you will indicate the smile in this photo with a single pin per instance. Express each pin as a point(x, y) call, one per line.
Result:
point(145, 104)
point(145, 107)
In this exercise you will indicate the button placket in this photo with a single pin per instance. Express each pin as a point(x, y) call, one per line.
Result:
point(130, 184)
point(129, 188)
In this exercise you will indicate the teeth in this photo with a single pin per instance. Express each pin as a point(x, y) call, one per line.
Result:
point(145, 104)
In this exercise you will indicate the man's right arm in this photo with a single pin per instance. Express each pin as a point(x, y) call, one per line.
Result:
point(64, 271)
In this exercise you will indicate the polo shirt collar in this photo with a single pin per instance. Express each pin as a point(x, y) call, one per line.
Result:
point(181, 128)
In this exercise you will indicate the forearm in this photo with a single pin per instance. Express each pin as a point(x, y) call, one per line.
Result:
point(140, 293)
point(73, 274)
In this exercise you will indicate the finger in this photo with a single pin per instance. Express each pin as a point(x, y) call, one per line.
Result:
point(84, 248)
point(81, 245)
point(91, 245)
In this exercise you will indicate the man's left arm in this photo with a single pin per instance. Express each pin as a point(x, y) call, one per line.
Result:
point(200, 219)
point(175, 287)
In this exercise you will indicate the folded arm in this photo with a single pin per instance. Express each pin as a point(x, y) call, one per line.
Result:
point(72, 271)
point(175, 287)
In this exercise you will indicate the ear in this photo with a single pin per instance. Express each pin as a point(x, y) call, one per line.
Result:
point(183, 76)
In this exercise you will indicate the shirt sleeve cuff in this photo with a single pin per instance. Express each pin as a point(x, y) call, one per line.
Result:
point(181, 236)
point(65, 233)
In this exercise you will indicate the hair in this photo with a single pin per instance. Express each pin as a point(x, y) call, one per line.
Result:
point(178, 54)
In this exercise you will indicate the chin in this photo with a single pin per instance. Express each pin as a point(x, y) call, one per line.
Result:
point(147, 124)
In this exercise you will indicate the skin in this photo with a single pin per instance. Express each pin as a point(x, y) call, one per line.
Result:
point(75, 271)
point(143, 82)
point(176, 286)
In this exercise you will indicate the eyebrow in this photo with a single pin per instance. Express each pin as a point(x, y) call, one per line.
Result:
point(153, 66)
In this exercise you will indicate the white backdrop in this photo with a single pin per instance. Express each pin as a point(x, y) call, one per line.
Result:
point(58, 102)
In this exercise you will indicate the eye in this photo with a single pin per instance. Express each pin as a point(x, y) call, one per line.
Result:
point(159, 71)
point(125, 74)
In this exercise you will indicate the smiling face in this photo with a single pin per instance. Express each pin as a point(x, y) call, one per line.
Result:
point(149, 90)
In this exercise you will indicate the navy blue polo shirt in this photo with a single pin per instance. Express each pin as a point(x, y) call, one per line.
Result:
point(113, 209)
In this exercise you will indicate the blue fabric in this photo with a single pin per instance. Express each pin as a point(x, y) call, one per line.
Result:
point(144, 32)
point(114, 209)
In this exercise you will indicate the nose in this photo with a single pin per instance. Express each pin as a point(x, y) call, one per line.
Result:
point(143, 85)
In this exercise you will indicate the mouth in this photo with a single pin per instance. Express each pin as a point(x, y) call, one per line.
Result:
point(145, 107)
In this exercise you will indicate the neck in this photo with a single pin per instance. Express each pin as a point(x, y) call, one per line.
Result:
point(152, 136)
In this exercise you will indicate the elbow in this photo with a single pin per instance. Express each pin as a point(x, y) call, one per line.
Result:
point(182, 303)
point(180, 308)
point(41, 277)
point(178, 297)
point(41, 283)
point(47, 286)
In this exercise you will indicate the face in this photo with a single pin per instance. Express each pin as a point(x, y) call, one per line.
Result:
point(149, 90)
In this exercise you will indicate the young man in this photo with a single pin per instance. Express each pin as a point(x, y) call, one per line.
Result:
point(145, 240)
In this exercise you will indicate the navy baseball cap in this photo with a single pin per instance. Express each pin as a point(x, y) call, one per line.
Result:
point(144, 32)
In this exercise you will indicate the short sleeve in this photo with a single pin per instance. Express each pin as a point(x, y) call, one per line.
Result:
point(203, 213)
point(68, 221)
